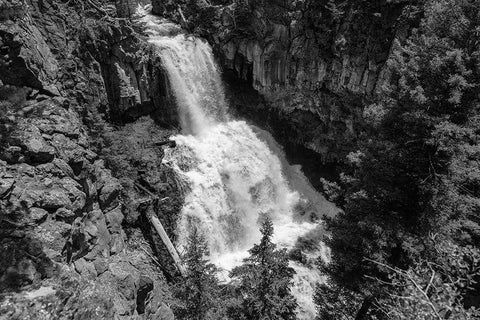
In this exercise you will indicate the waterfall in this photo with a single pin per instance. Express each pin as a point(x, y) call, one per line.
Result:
point(236, 173)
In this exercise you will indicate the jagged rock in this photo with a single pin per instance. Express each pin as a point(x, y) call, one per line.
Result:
point(114, 220)
point(55, 119)
point(63, 208)
point(64, 213)
point(125, 279)
point(53, 199)
point(108, 187)
point(117, 243)
point(85, 268)
point(64, 194)
point(69, 150)
point(53, 234)
point(29, 61)
point(34, 146)
point(100, 265)
point(97, 233)
point(164, 313)
point(128, 278)
point(75, 195)
point(63, 166)
point(56, 169)
point(6, 184)
point(109, 194)
point(38, 214)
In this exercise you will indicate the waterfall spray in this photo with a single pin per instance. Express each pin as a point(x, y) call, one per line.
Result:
point(234, 176)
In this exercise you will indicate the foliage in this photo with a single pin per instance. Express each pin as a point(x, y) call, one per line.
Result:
point(199, 289)
point(335, 302)
point(430, 290)
point(416, 173)
point(265, 280)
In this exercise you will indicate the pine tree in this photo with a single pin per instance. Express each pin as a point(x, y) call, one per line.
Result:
point(416, 174)
point(265, 281)
point(199, 289)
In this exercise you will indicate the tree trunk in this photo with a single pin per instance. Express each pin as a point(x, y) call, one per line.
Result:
point(166, 240)
point(366, 304)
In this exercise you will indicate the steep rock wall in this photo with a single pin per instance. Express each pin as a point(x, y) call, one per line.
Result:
point(66, 201)
point(135, 81)
point(316, 63)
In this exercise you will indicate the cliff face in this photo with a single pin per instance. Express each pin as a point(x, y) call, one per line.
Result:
point(316, 64)
point(68, 178)
point(135, 82)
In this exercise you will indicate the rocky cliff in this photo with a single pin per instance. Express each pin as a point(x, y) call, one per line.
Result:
point(315, 63)
point(75, 190)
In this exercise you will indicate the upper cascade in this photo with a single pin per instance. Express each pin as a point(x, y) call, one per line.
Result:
point(192, 72)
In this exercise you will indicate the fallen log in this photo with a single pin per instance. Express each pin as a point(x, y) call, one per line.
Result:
point(169, 143)
point(166, 240)
point(163, 234)
point(184, 22)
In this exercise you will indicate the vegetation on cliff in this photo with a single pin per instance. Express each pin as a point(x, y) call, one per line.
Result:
point(410, 195)
point(259, 288)
point(265, 282)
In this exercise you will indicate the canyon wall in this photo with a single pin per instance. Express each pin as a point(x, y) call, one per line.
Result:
point(316, 64)
point(75, 238)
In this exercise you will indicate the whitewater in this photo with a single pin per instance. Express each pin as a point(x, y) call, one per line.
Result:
point(237, 173)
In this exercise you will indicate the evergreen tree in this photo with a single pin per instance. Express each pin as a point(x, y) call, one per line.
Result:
point(416, 173)
point(433, 290)
point(199, 290)
point(265, 282)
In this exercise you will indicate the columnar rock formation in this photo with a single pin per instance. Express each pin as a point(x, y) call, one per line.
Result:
point(316, 65)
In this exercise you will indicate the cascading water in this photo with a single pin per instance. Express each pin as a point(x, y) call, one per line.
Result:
point(235, 177)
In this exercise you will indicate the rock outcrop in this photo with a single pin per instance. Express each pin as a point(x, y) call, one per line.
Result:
point(67, 202)
point(315, 63)
point(135, 82)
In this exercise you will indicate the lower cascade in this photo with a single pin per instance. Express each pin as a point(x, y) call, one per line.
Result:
point(236, 172)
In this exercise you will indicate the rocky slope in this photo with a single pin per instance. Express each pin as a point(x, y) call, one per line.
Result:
point(316, 64)
point(75, 191)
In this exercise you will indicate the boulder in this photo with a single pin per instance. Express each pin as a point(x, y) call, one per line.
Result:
point(38, 214)
point(109, 194)
point(64, 213)
point(114, 220)
point(34, 146)
point(85, 268)
point(97, 234)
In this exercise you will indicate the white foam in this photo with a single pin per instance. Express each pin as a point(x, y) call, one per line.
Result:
point(234, 176)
